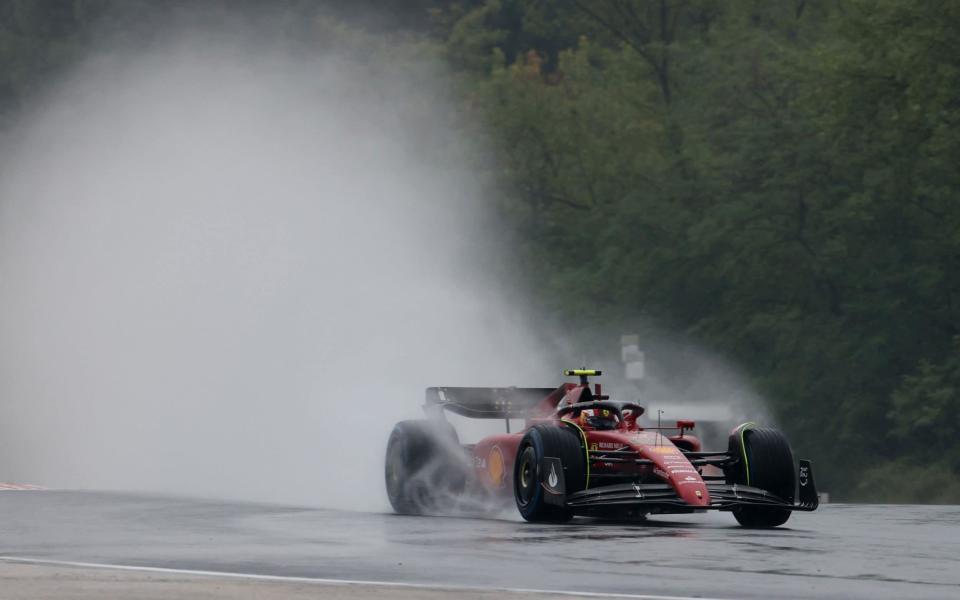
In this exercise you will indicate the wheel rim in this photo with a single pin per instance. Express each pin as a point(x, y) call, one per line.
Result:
point(526, 480)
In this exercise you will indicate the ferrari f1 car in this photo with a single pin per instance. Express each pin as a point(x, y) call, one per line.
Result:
point(581, 454)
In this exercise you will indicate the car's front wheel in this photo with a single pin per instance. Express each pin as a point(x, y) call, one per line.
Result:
point(765, 462)
point(544, 444)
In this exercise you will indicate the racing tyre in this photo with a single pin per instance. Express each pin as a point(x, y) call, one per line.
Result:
point(425, 468)
point(547, 440)
point(766, 462)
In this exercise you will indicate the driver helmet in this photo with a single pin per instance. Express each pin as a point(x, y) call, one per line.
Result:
point(600, 418)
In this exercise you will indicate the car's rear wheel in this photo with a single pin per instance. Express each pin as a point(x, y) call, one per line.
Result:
point(547, 440)
point(766, 462)
point(426, 469)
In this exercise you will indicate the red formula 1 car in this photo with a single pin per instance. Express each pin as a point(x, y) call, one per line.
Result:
point(581, 454)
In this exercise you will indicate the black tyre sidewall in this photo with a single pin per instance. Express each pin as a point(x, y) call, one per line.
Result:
point(771, 468)
point(534, 509)
point(557, 441)
point(419, 470)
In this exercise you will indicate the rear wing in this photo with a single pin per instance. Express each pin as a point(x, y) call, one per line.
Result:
point(489, 403)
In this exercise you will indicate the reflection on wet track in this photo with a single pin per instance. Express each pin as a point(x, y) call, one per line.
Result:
point(848, 551)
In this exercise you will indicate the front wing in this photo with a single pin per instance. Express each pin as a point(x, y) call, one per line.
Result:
point(661, 497)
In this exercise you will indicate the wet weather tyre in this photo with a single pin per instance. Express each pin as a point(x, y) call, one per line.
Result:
point(766, 462)
point(547, 440)
point(425, 469)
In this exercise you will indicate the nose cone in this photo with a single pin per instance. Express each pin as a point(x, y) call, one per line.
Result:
point(673, 466)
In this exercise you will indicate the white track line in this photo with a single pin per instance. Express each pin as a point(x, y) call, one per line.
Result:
point(358, 582)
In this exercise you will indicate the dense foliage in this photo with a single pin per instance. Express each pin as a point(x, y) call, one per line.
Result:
point(778, 180)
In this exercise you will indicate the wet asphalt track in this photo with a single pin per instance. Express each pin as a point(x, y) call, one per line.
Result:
point(840, 551)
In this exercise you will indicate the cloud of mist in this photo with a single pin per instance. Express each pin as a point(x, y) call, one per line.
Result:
point(228, 272)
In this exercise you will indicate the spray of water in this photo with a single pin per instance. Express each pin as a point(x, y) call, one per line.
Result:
point(229, 271)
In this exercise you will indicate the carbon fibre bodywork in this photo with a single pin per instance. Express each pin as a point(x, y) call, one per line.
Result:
point(663, 498)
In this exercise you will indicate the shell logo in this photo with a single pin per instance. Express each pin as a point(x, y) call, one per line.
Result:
point(664, 449)
point(495, 468)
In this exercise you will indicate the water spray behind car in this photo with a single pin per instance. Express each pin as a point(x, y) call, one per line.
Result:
point(227, 267)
